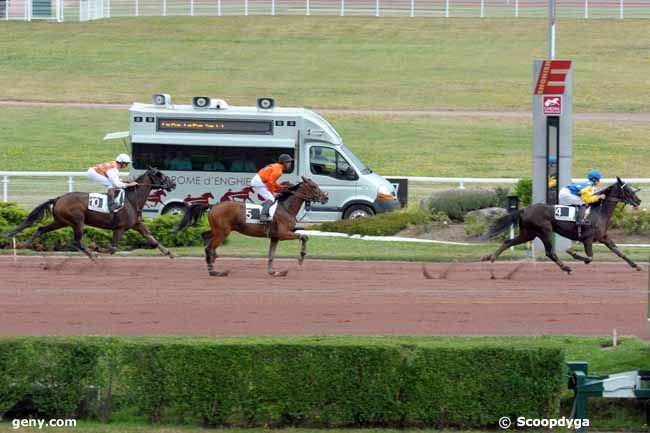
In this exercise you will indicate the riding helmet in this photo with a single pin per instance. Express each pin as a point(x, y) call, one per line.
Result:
point(594, 175)
point(123, 158)
point(285, 158)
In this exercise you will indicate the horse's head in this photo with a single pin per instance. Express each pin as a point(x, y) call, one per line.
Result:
point(311, 191)
point(621, 191)
point(160, 179)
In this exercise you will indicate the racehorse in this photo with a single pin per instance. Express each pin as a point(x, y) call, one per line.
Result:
point(71, 209)
point(229, 215)
point(538, 221)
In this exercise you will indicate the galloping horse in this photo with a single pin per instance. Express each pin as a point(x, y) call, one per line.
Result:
point(230, 215)
point(71, 209)
point(538, 221)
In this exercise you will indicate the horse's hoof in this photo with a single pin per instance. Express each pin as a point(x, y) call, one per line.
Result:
point(280, 273)
point(218, 274)
point(567, 270)
point(638, 268)
point(171, 255)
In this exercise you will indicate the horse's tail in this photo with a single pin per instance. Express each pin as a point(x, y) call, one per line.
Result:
point(192, 216)
point(502, 224)
point(34, 216)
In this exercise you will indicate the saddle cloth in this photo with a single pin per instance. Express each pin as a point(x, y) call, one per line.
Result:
point(99, 202)
point(254, 211)
point(566, 213)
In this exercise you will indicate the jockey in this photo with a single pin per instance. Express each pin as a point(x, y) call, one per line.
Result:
point(108, 174)
point(265, 182)
point(583, 194)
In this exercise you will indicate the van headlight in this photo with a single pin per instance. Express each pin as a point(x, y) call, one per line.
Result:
point(385, 193)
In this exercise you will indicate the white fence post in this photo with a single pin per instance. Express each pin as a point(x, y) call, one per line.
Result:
point(517, 8)
point(164, 8)
point(218, 8)
point(7, 5)
point(412, 8)
point(621, 10)
point(376, 8)
point(245, 8)
point(70, 184)
point(5, 190)
point(586, 9)
point(108, 8)
point(446, 8)
point(191, 8)
point(307, 11)
point(342, 8)
point(482, 8)
point(273, 8)
point(137, 8)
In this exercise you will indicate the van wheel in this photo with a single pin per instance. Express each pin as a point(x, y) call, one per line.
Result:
point(174, 209)
point(358, 211)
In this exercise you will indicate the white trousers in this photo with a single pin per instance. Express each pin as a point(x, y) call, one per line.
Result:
point(260, 188)
point(566, 198)
point(96, 177)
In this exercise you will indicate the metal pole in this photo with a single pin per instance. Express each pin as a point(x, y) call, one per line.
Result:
point(586, 9)
point(70, 184)
point(342, 8)
point(551, 29)
point(621, 10)
point(5, 189)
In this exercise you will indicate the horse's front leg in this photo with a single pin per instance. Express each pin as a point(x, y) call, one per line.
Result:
point(589, 251)
point(612, 246)
point(142, 229)
point(117, 235)
point(303, 248)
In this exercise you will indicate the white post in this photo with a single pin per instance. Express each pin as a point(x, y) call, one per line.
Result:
point(5, 189)
point(342, 7)
point(58, 10)
point(376, 8)
point(272, 7)
point(446, 8)
point(191, 8)
point(461, 185)
point(219, 8)
point(517, 8)
point(70, 184)
point(164, 8)
point(137, 8)
point(586, 9)
point(621, 10)
point(7, 10)
point(307, 11)
point(482, 8)
point(245, 7)
point(551, 29)
point(412, 8)
point(108, 8)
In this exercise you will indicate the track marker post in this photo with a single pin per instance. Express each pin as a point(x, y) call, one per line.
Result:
point(13, 239)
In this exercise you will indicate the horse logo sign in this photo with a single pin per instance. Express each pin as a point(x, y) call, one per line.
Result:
point(553, 105)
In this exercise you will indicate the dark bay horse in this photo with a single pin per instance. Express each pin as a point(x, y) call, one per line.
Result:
point(229, 215)
point(538, 221)
point(71, 209)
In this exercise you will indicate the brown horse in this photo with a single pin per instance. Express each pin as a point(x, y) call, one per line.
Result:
point(71, 209)
point(538, 221)
point(230, 215)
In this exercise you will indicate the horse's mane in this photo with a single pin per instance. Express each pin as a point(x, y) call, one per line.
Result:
point(285, 193)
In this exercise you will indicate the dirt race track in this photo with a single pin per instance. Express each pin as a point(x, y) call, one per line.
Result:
point(140, 296)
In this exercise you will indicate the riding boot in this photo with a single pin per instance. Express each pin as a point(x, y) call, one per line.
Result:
point(266, 206)
point(111, 206)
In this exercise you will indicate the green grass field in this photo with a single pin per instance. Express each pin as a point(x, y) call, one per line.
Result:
point(351, 62)
point(45, 139)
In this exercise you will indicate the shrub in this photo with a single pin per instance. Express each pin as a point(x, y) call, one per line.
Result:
point(524, 189)
point(385, 224)
point(457, 202)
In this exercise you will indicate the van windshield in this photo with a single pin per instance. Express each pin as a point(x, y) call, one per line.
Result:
point(356, 161)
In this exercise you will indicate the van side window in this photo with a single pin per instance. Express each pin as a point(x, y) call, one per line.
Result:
point(205, 158)
point(326, 161)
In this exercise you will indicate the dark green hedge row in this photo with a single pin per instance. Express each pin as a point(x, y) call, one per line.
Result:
point(283, 382)
point(385, 224)
point(162, 228)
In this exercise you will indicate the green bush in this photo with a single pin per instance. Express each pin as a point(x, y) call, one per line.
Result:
point(162, 228)
point(325, 382)
point(457, 202)
point(524, 189)
point(385, 224)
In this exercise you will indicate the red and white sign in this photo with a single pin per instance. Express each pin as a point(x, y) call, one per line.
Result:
point(552, 76)
point(553, 105)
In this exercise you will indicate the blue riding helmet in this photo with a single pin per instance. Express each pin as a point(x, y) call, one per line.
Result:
point(594, 175)
point(552, 159)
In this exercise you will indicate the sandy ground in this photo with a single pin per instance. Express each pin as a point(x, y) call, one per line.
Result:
point(144, 296)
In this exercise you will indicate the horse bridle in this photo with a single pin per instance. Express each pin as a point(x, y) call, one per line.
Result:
point(303, 196)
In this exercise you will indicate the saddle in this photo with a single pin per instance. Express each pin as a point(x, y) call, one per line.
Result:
point(254, 212)
point(98, 202)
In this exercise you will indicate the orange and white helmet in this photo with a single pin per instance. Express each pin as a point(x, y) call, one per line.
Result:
point(123, 158)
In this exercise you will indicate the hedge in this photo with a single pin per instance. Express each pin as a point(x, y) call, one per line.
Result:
point(325, 382)
point(385, 224)
point(162, 228)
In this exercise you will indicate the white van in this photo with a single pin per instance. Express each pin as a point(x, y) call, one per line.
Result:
point(212, 151)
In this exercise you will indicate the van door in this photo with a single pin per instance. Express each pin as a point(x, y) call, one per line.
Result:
point(334, 174)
